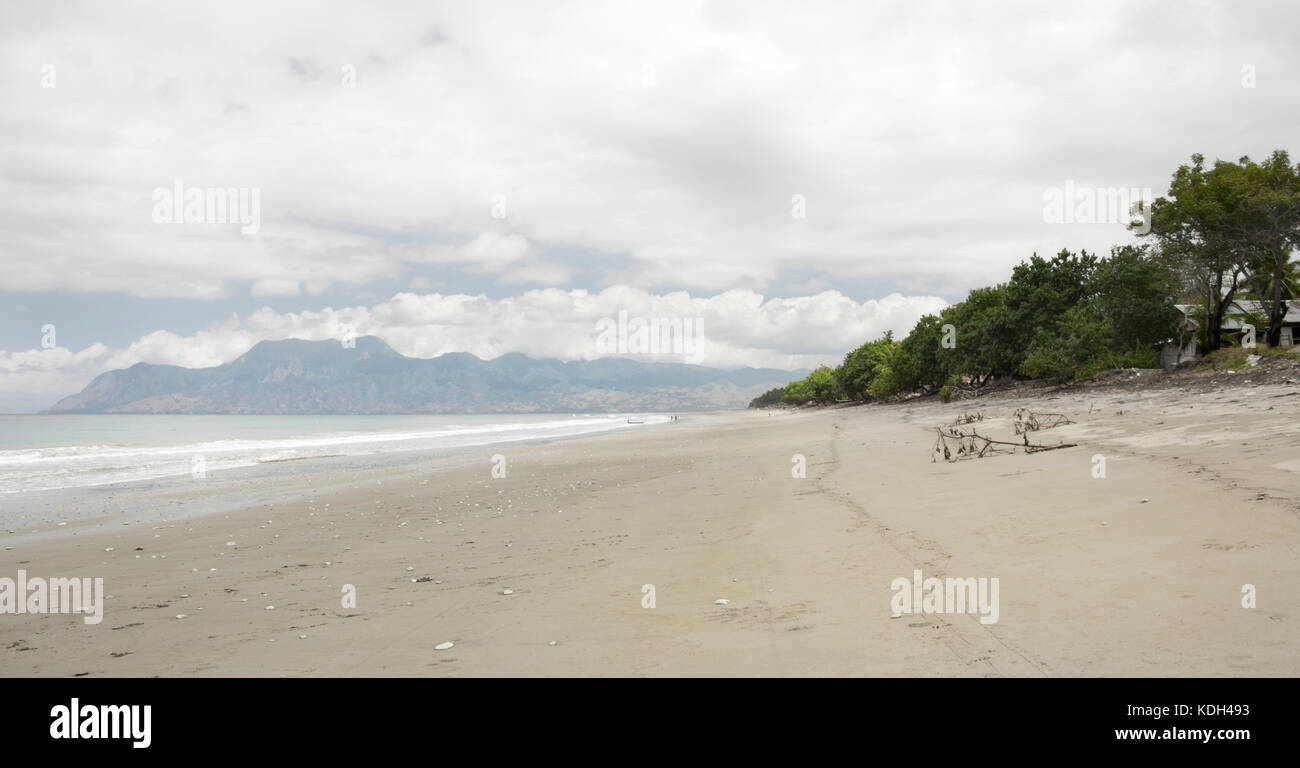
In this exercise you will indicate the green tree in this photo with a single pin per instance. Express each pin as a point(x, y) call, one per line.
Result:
point(861, 366)
point(818, 386)
point(1232, 223)
point(920, 361)
point(1261, 211)
point(796, 392)
point(1082, 337)
point(821, 385)
point(1135, 292)
point(988, 342)
point(768, 398)
point(1039, 294)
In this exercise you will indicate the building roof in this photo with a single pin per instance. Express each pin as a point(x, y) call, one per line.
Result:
point(1244, 306)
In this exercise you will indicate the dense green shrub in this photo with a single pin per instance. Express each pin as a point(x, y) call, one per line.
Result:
point(854, 377)
point(768, 398)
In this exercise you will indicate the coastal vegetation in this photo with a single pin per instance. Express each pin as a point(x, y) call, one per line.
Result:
point(1219, 234)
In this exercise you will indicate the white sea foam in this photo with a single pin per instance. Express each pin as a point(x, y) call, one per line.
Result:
point(150, 447)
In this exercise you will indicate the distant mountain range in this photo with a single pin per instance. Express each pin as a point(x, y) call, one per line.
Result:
point(296, 376)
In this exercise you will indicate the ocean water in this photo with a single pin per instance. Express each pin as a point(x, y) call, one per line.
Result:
point(49, 452)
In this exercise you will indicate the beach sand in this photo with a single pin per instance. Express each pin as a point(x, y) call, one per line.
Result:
point(1093, 580)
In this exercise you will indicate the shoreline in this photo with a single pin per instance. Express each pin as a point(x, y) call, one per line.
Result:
point(228, 489)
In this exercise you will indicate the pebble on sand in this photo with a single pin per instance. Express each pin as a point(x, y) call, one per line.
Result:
point(507, 591)
point(721, 601)
point(444, 646)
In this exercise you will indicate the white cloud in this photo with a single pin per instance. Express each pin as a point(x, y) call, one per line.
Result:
point(30, 379)
point(667, 139)
point(273, 287)
point(740, 327)
point(488, 252)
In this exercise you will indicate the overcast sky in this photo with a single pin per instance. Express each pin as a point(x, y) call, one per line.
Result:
point(497, 177)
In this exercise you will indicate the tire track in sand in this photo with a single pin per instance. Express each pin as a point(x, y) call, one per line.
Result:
point(914, 548)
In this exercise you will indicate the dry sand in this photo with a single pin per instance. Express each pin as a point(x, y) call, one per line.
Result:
point(1093, 581)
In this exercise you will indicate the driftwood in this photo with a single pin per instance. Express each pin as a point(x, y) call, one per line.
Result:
point(954, 444)
point(1028, 421)
point(969, 418)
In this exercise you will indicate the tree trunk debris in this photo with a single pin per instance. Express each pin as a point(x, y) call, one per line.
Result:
point(954, 443)
point(1028, 421)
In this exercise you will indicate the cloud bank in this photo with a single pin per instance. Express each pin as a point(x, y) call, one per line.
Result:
point(739, 327)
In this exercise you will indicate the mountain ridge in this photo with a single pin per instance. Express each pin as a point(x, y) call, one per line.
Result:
point(297, 376)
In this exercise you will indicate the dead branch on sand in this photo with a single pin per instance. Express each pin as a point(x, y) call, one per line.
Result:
point(969, 418)
point(1028, 421)
point(954, 444)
